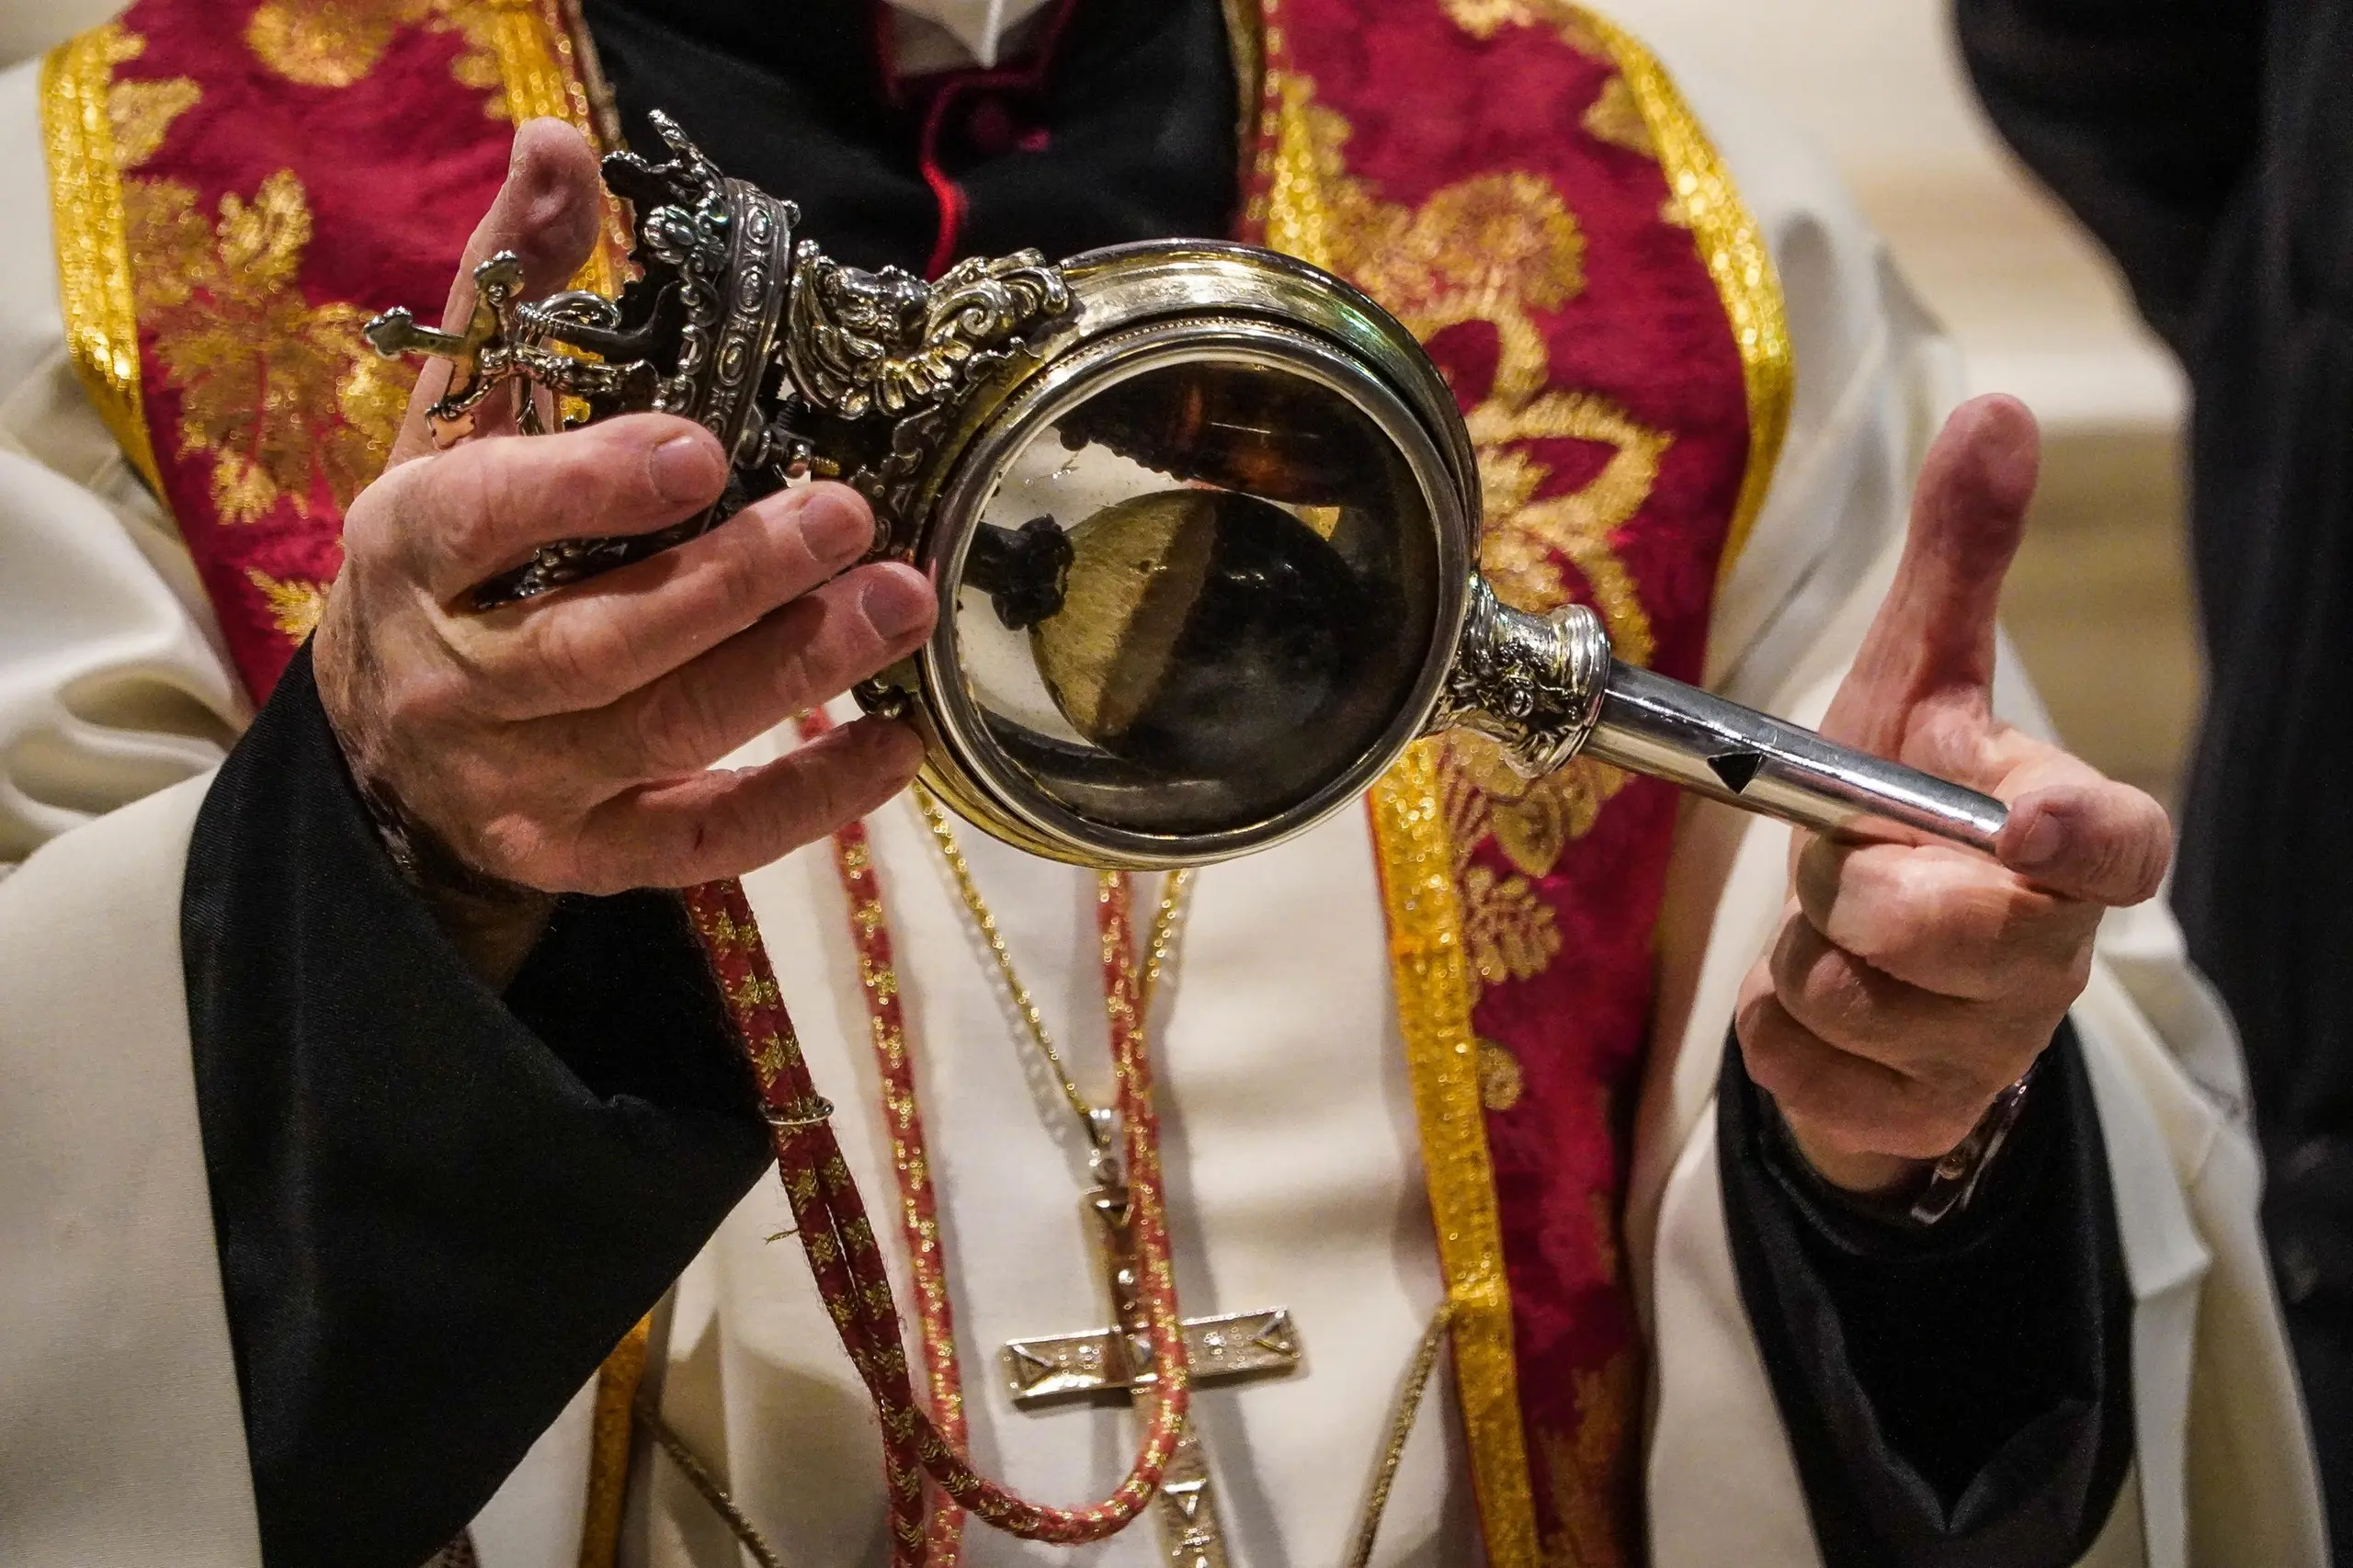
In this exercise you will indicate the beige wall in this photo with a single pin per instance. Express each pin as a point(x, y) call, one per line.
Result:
point(2099, 602)
point(1875, 83)
point(1869, 80)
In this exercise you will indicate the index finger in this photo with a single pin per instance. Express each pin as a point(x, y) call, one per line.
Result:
point(547, 213)
point(2092, 839)
point(483, 507)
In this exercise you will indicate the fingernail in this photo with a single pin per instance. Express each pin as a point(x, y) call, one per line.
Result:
point(837, 529)
point(2040, 844)
point(684, 468)
point(893, 606)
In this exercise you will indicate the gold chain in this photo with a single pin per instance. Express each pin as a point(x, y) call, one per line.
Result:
point(707, 1486)
point(1401, 1426)
point(1157, 947)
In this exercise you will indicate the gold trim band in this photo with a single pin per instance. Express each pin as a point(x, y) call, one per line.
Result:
point(532, 70)
point(1442, 1058)
point(1298, 218)
point(93, 250)
point(1736, 258)
point(611, 1431)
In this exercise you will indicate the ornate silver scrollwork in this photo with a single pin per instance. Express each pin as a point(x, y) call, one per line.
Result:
point(732, 325)
point(865, 345)
point(887, 346)
point(862, 343)
point(717, 255)
point(1532, 683)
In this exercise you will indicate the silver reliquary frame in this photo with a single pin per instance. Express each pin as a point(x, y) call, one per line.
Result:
point(1203, 521)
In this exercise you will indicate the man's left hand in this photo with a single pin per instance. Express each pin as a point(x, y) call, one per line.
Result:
point(1908, 986)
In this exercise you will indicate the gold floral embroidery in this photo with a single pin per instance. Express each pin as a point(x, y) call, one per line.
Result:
point(1522, 534)
point(1701, 199)
point(1525, 539)
point(1484, 18)
point(1489, 248)
point(1501, 1083)
point(1491, 242)
point(113, 45)
point(142, 113)
point(1532, 820)
point(1464, 803)
point(332, 43)
point(294, 602)
point(1511, 934)
point(1493, 248)
point(1616, 117)
point(479, 64)
point(1587, 1472)
point(283, 396)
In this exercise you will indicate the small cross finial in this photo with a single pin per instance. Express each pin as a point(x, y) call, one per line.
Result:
point(483, 355)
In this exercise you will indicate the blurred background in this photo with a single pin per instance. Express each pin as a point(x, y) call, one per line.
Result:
point(2100, 604)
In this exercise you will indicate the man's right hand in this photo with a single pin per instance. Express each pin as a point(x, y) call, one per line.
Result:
point(564, 743)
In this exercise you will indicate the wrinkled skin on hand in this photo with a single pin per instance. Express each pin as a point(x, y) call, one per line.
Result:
point(565, 744)
point(1907, 986)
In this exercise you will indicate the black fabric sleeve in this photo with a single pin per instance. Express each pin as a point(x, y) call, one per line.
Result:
point(2143, 116)
point(1959, 1396)
point(436, 1210)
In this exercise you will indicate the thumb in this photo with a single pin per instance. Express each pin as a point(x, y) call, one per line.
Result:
point(546, 213)
point(1935, 630)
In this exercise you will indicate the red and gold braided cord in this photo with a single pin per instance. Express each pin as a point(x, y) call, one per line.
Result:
point(845, 1260)
point(827, 1211)
point(918, 1206)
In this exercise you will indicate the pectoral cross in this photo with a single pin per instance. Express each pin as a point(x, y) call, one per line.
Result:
point(1225, 1349)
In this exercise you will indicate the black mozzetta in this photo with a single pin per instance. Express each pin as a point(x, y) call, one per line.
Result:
point(2206, 143)
point(1958, 1395)
point(435, 1210)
